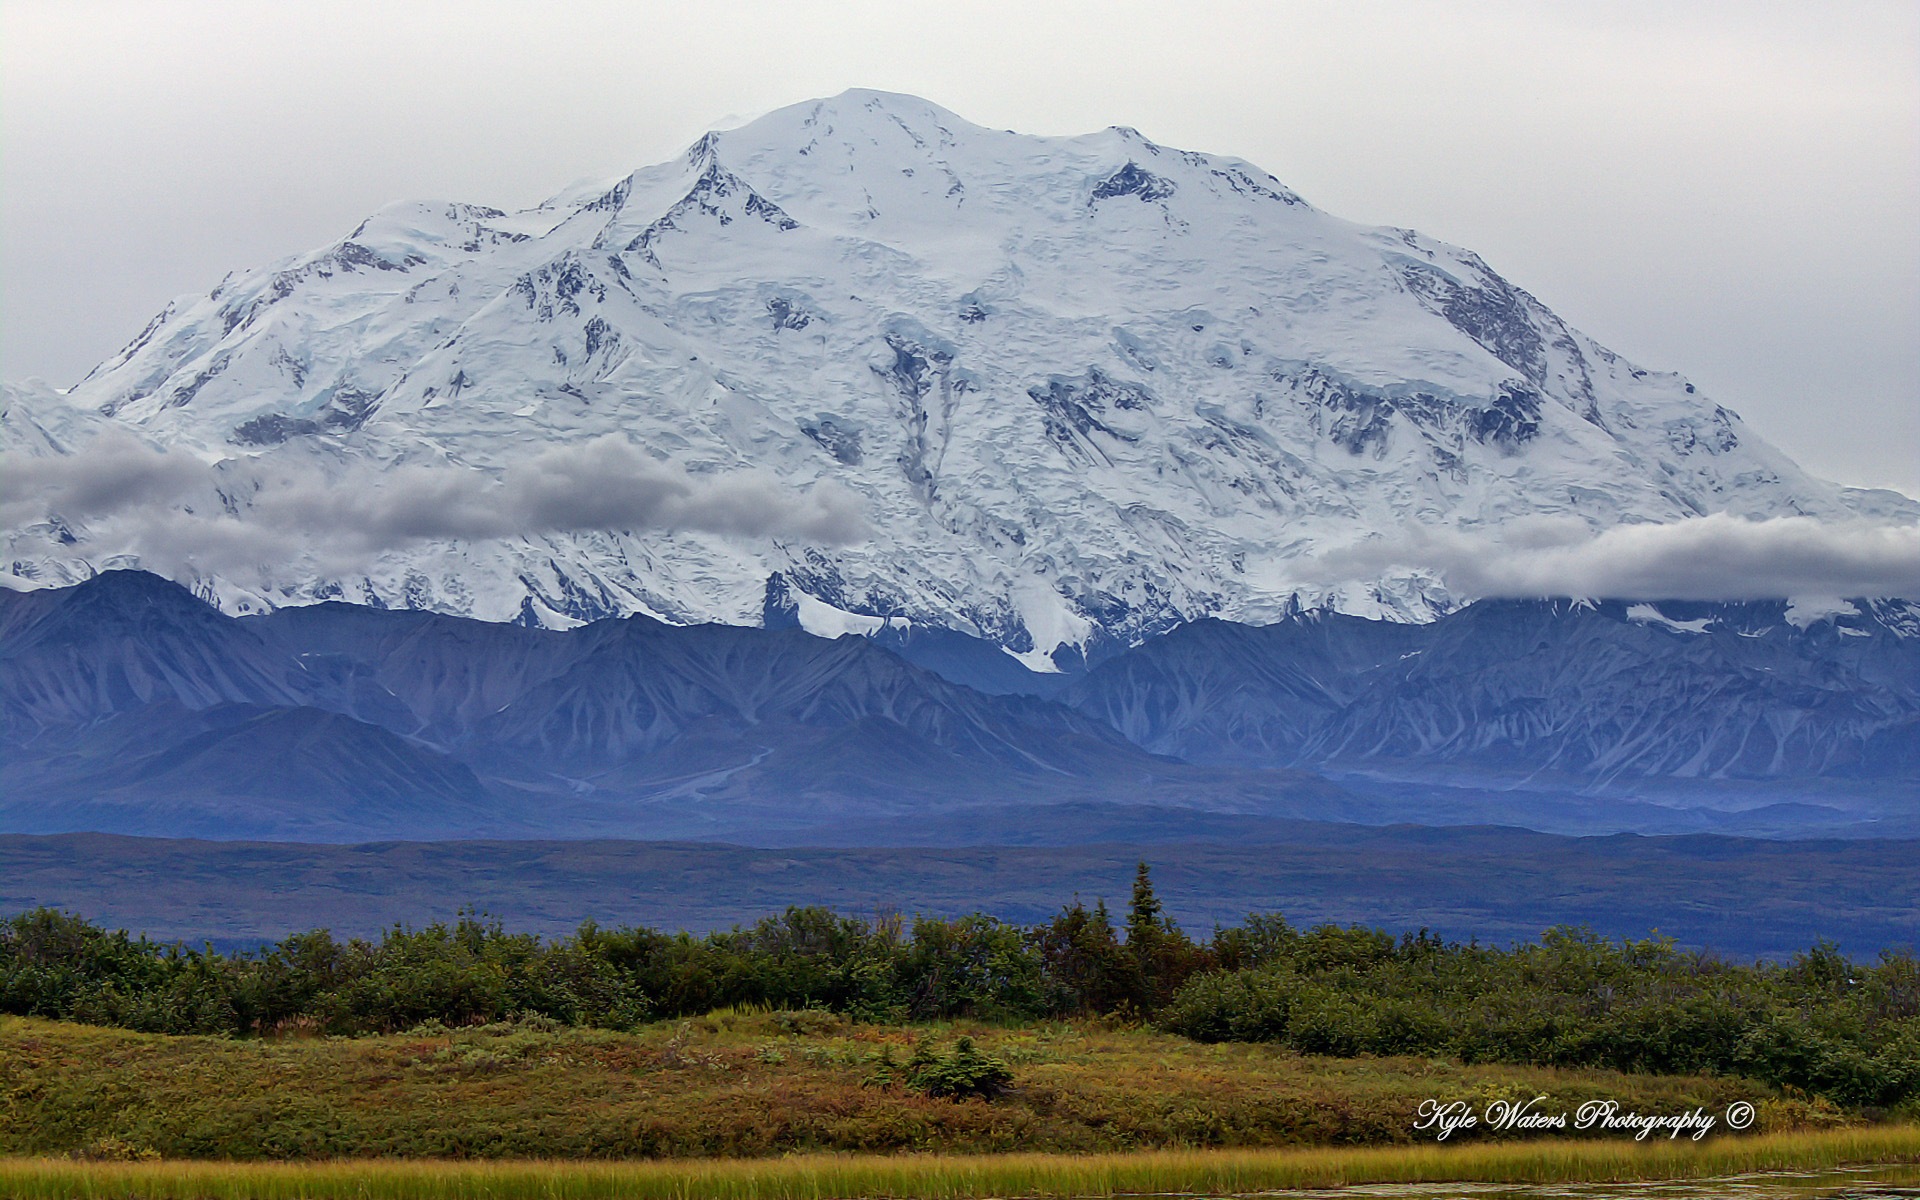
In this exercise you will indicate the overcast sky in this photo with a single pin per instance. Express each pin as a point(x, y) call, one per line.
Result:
point(1731, 191)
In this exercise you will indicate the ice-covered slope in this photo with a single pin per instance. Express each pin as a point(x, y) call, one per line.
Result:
point(1081, 389)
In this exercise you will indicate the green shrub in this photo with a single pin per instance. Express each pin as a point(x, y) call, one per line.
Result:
point(958, 1074)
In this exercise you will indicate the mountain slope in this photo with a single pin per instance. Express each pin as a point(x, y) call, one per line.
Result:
point(121, 641)
point(1242, 695)
point(1081, 389)
point(134, 707)
point(242, 771)
point(1583, 692)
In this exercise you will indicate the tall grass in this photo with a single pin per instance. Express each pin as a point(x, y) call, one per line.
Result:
point(952, 1177)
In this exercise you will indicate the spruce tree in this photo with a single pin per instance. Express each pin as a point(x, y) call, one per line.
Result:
point(1143, 915)
point(1144, 938)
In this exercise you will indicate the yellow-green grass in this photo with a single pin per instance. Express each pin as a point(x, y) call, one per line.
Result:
point(816, 1176)
point(744, 1085)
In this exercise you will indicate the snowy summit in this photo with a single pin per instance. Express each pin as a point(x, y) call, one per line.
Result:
point(861, 360)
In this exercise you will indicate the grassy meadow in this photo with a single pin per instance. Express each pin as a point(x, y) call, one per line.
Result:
point(817, 1055)
point(951, 1177)
point(748, 1085)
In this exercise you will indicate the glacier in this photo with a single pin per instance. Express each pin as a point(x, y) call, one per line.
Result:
point(1080, 391)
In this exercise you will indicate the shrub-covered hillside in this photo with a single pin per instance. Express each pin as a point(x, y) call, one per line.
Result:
point(1843, 1030)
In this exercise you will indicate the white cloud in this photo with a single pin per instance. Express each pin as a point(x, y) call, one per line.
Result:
point(171, 508)
point(1716, 557)
point(118, 471)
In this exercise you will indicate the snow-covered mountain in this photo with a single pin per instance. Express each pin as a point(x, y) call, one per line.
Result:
point(1077, 389)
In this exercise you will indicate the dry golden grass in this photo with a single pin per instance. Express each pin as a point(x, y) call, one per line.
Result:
point(951, 1177)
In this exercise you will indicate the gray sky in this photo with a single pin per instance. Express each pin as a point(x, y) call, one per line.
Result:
point(1727, 190)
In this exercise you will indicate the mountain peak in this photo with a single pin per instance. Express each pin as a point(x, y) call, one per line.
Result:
point(1080, 388)
point(863, 107)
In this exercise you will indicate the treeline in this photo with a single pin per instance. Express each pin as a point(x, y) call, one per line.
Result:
point(1821, 1024)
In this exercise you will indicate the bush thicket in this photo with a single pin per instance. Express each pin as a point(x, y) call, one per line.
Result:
point(1821, 1023)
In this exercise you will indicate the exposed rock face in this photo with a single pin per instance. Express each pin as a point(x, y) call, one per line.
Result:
point(1589, 692)
point(127, 705)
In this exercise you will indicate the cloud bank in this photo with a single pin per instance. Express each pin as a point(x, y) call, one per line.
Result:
point(175, 510)
point(116, 471)
point(1716, 557)
point(171, 507)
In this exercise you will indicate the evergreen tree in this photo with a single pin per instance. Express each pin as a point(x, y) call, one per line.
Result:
point(1145, 941)
point(1086, 967)
point(1161, 955)
point(1143, 916)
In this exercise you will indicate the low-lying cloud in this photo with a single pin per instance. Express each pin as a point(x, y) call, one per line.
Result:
point(169, 506)
point(173, 509)
point(605, 484)
point(1718, 557)
point(117, 471)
